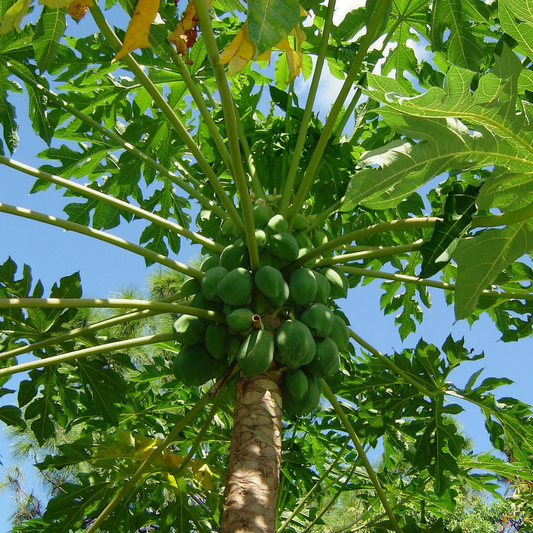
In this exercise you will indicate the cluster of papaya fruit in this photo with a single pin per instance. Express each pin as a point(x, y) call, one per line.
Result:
point(275, 314)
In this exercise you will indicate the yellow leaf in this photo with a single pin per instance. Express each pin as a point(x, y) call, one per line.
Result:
point(78, 8)
point(139, 27)
point(204, 475)
point(172, 481)
point(186, 32)
point(13, 16)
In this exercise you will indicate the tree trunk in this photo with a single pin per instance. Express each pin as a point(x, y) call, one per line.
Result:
point(254, 457)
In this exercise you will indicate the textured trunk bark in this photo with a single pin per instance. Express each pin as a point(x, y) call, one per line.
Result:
point(254, 457)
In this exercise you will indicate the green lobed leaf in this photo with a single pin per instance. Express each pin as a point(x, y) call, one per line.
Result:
point(269, 21)
point(48, 31)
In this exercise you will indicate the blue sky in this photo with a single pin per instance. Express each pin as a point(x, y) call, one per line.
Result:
point(53, 253)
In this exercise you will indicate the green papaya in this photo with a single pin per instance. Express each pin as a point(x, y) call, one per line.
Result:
point(326, 361)
point(216, 340)
point(308, 402)
point(278, 224)
point(210, 262)
point(188, 329)
point(227, 227)
point(283, 296)
point(340, 334)
point(234, 256)
point(319, 319)
point(295, 345)
point(201, 302)
point(303, 286)
point(337, 281)
point(261, 238)
point(300, 222)
point(269, 281)
point(240, 319)
point(322, 289)
point(234, 346)
point(296, 383)
point(284, 246)
point(236, 287)
point(193, 365)
point(210, 281)
point(261, 214)
point(266, 258)
point(303, 240)
point(319, 238)
point(190, 287)
point(256, 353)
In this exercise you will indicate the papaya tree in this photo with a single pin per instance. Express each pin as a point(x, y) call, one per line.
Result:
point(250, 405)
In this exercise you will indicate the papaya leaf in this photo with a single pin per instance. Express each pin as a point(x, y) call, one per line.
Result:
point(11, 415)
point(459, 208)
point(48, 31)
point(482, 257)
point(516, 19)
point(269, 21)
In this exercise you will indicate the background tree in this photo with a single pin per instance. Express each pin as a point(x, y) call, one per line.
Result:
point(294, 213)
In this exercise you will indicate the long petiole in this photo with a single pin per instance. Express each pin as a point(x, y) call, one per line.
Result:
point(102, 236)
point(115, 202)
point(500, 295)
point(228, 108)
point(393, 225)
point(85, 352)
point(369, 254)
point(396, 369)
point(87, 330)
point(320, 219)
point(364, 459)
point(110, 303)
point(171, 116)
point(53, 97)
point(200, 104)
point(308, 111)
point(310, 174)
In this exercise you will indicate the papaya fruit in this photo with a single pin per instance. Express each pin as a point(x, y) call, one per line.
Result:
point(282, 298)
point(210, 281)
point(210, 262)
point(337, 281)
point(319, 318)
point(322, 289)
point(326, 361)
point(256, 353)
point(284, 246)
point(269, 281)
point(266, 258)
point(261, 214)
point(234, 346)
point(188, 329)
point(318, 238)
point(227, 227)
point(240, 319)
point(201, 302)
point(303, 240)
point(190, 287)
point(261, 238)
point(308, 402)
point(303, 286)
point(193, 365)
point(216, 340)
point(340, 334)
point(278, 224)
point(236, 287)
point(296, 383)
point(300, 222)
point(234, 256)
point(295, 345)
